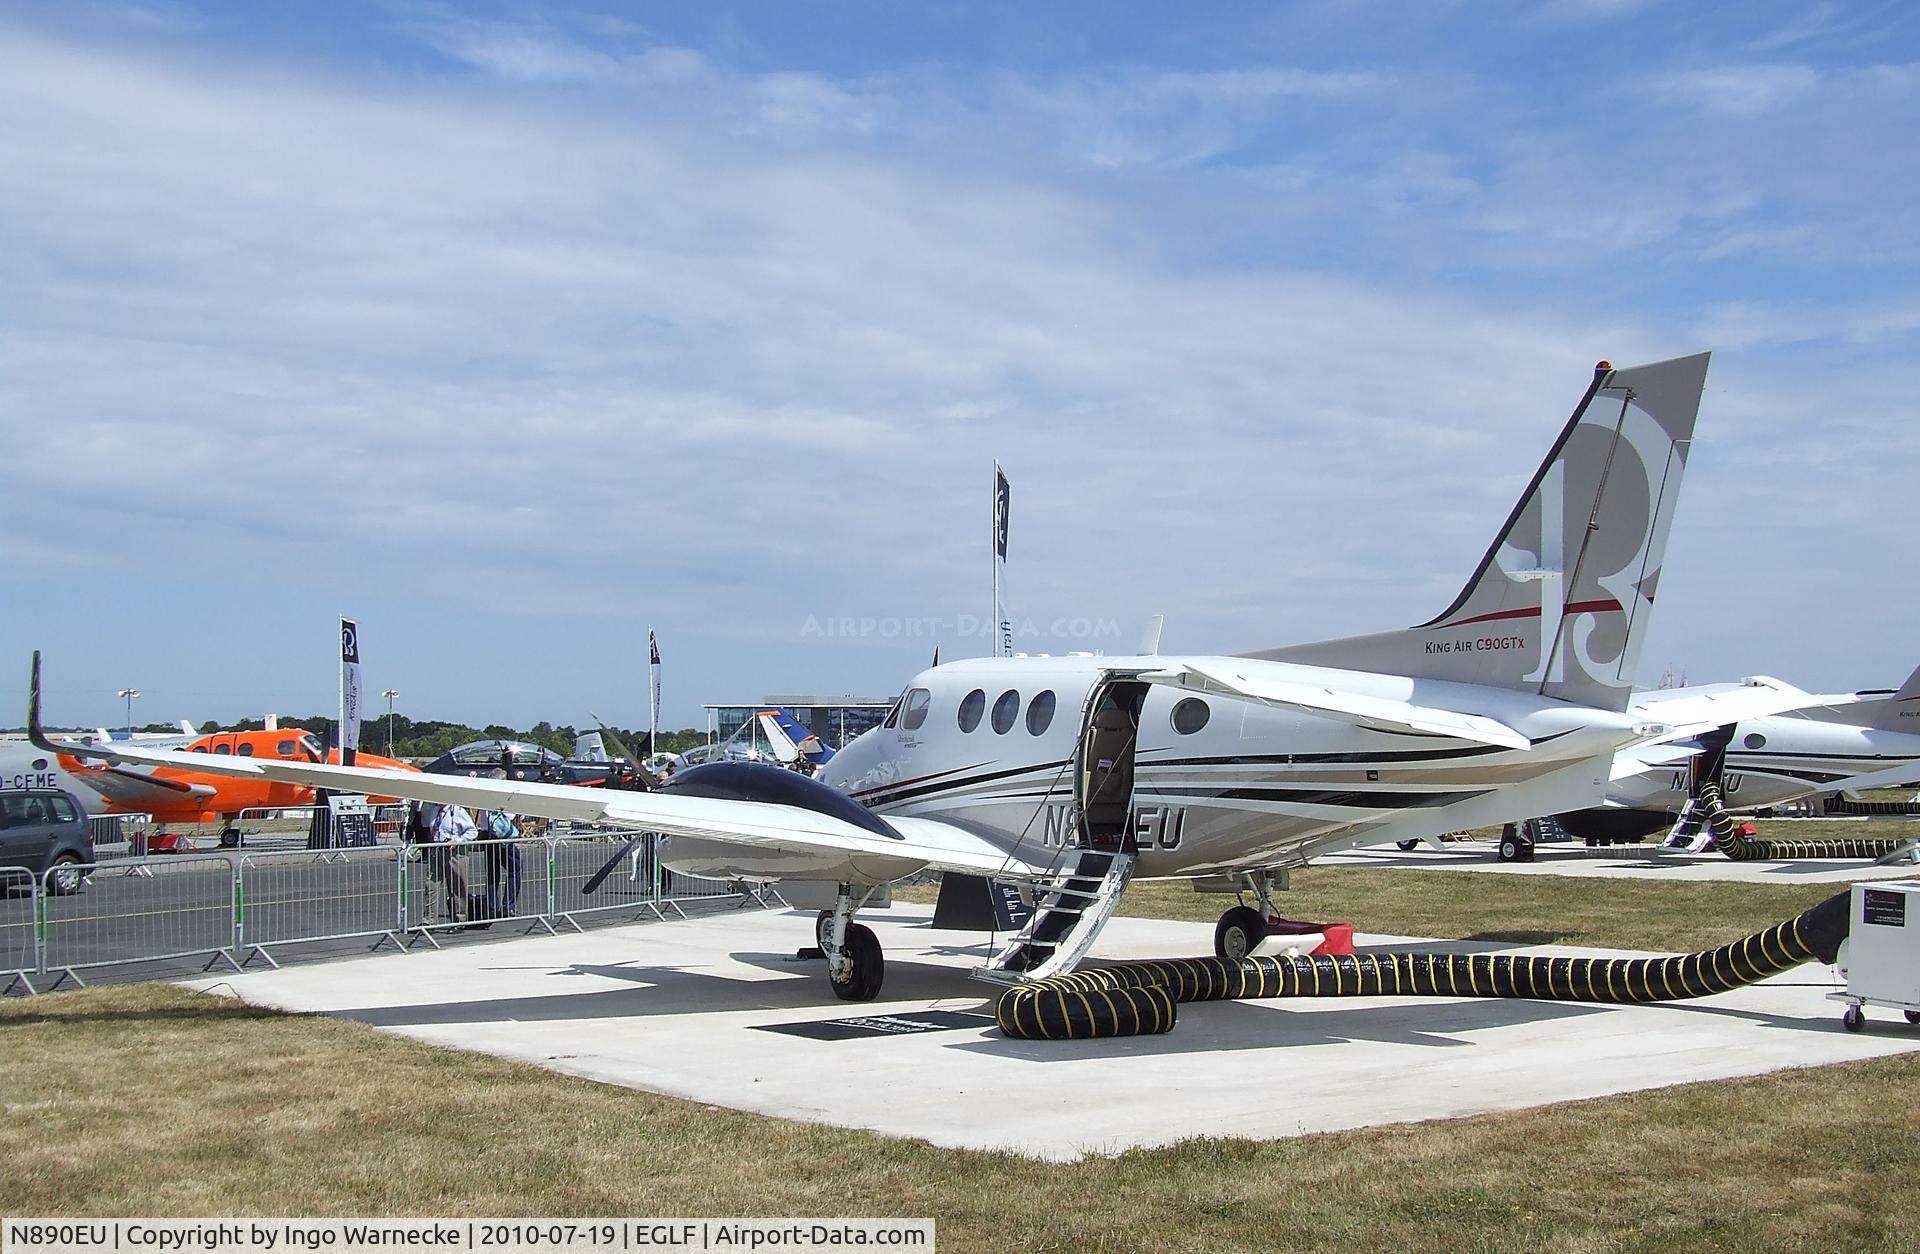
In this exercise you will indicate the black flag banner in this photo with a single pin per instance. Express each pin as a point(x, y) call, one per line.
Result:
point(349, 690)
point(1002, 497)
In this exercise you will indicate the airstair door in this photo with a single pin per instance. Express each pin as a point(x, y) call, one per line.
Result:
point(1103, 772)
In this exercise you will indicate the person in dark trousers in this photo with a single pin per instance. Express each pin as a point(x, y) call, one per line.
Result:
point(503, 864)
point(452, 830)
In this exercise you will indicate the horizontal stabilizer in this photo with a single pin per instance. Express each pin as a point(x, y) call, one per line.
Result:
point(1673, 713)
point(1249, 680)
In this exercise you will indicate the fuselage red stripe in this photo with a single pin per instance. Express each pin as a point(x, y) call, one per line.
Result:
point(1574, 607)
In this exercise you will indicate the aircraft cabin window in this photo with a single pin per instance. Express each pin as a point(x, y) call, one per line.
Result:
point(246, 751)
point(1755, 741)
point(199, 748)
point(223, 749)
point(1190, 716)
point(972, 706)
point(1040, 713)
point(284, 749)
point(1003, 711)
point(916, 710)
point(39, 764)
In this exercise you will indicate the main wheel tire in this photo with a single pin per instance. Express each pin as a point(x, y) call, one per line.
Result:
point(869, 966)
point(1526, 850)
point(1913, 1016)
point(1406, 846)
point(823, 929)
point(1854, 1019)
point(1512, 849)
point(1238, 932)
point(64, 876)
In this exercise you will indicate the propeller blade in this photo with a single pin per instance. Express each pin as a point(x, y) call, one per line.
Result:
point(600, 876)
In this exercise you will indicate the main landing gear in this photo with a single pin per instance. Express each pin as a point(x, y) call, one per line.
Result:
point(855, 965)
point(1241, 929)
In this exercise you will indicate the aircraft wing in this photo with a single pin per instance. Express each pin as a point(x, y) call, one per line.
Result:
point(134, 789)
point(1892, 777)
point(944, 846)
point(1639, 760)
point(1691, 711)
point(1246, 680)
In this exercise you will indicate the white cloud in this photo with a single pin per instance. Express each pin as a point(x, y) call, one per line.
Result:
point(1740, 90)
point(727, 349)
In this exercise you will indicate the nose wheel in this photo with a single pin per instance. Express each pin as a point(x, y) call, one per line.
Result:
point(855, 966)
point(862, 969)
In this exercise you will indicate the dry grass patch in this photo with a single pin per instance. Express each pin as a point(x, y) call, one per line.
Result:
point(149, 1099)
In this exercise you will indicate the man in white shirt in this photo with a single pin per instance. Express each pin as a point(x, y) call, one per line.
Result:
point(453, 828)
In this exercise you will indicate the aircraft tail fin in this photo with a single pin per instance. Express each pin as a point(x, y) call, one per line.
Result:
point(791, 739)
point(1901, 712)
point(1560, 603)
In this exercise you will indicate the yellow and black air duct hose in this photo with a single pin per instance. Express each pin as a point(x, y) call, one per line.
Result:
point(1139, 998)
point(1728, 839)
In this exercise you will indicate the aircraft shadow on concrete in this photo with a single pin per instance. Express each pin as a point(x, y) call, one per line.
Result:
point(653, 992)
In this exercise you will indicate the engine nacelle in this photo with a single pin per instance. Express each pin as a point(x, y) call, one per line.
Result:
point(773, 785)
point(717, 860)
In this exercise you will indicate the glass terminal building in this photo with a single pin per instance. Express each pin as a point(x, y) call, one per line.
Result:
point(836, 720)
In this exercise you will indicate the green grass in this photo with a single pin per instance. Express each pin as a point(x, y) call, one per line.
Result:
point(152, 1100)
point(1663, 916)
point(1674, 917)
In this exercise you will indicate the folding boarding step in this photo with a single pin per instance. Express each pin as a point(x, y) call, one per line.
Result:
point(1690, 829)
point(1069, 912)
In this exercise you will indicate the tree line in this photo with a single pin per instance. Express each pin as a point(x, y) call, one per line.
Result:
point(429, 738)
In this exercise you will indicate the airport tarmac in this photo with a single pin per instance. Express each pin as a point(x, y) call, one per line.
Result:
point(717, 1009)
point(1647, 861)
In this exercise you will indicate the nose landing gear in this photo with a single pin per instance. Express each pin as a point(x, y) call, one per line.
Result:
point(856, 967)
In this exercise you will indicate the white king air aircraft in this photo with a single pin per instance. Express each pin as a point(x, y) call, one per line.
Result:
point(1071, 775)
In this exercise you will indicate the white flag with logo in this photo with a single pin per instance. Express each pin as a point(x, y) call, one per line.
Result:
point(653, 669)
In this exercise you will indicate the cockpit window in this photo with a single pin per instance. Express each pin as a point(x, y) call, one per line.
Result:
point(311, 747)
point(972, 706)
point(915, 713)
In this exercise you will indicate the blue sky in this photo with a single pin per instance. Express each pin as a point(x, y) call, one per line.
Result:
point(510, 329)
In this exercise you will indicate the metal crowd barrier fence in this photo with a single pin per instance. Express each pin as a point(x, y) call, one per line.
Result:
point(120, 837)
point(235, 909)
point(389, 828)
point(476, 884)
point(19, 928)
point(321, 895)
point(184, 910)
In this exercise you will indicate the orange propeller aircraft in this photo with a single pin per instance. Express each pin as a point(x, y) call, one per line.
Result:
point(173, 795)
